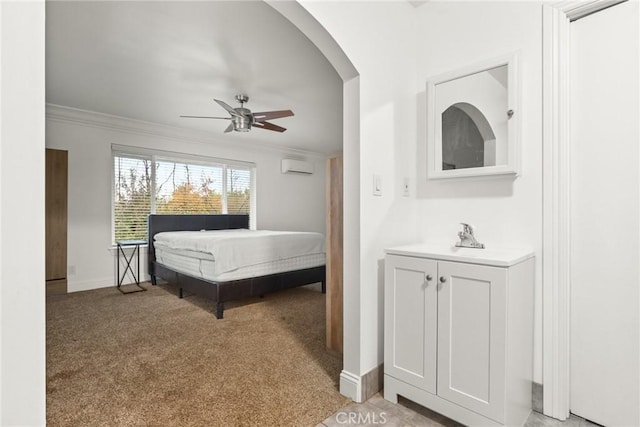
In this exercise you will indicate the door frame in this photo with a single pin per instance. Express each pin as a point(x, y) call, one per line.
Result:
point(556, 273)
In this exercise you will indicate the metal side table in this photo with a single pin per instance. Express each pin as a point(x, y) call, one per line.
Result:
point(135, 244)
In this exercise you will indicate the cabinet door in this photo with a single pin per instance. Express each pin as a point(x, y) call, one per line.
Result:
point(411, 320)
point(471, 336)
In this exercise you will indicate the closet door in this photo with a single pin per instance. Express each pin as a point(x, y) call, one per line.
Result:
point(56, 214)
point(605, 217)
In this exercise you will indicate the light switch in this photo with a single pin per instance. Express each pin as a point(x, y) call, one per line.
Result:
point(377, 185)
point(405, 187)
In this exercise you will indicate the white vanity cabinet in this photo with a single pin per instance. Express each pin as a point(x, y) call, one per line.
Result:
point(459, 332)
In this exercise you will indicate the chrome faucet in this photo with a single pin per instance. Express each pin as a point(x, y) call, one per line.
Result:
point(467, 239)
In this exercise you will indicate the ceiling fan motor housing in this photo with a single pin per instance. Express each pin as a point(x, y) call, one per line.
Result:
point(242, 122)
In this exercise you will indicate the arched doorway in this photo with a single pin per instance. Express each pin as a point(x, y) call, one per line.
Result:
point(318, 35)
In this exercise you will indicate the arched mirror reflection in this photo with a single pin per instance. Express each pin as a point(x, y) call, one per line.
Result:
point(467, 138)
point(472, 118)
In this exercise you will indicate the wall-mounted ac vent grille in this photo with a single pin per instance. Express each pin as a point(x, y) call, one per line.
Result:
point(297, 166)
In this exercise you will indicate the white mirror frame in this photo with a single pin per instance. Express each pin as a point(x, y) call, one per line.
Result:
point(430, 163)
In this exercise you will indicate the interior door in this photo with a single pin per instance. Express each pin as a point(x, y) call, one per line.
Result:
point(56, 164)
point(605, 216)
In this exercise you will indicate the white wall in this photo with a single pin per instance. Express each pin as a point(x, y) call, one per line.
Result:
point(22, 315)
point(395, 49)
point(505, 212)
point(381, 47)
point(284, 201)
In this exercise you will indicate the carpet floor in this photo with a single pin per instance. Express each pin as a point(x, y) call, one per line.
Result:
point(152, 359)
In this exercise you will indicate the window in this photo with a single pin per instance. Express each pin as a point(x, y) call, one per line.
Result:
point(156, 183)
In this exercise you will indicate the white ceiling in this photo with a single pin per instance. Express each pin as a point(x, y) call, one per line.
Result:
point(155, 61)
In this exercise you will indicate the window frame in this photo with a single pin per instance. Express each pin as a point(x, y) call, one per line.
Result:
point(169, 156)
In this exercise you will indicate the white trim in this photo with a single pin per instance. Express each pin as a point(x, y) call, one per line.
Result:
point(225, 181)
point(114, 248)
point(178, 156)
point(576, 10)
point(105, 282)
point(351, 386)
point(253, 203)
point(113, 199)
point(556, 272)
point(1, 239)
point(64, 114)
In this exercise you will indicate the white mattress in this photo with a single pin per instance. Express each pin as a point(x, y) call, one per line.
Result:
point(224, 255)
point(206, 268)
point(230, 250)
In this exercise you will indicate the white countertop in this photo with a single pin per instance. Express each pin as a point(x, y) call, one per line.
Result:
point(503, 257)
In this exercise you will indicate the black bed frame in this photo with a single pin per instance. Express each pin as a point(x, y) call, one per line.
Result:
point(221, 292)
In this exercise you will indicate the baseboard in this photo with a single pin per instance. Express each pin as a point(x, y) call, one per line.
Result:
point(350, 386)
point(87, 285)
point(536, 397)
point(361, 388)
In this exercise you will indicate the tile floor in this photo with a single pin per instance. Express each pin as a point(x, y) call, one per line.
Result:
point(379, 412)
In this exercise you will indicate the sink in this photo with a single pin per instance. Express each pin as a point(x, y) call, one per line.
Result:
point(501, 257)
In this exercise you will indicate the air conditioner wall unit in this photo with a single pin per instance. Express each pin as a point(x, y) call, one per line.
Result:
point(297, 166)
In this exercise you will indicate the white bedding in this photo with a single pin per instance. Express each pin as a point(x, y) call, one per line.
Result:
point(234, 249)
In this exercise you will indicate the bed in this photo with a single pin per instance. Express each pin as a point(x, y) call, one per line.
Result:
point(195, 271)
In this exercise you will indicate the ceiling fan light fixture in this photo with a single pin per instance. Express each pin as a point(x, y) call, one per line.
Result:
point(241, 124)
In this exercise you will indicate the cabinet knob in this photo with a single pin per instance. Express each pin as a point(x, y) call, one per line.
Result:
point(443, 279)
point(429, 277)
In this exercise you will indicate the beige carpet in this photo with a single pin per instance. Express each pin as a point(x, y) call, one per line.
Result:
point(150, 358)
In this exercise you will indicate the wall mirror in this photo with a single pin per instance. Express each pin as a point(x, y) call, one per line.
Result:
point(472, 121)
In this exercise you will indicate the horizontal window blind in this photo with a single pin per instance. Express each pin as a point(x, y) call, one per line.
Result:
point(132, 196)
point(175, 186)
point(184, 188)
point(238, 190)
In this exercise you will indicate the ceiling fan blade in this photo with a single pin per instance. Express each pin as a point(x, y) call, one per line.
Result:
point(269, 126)
point(268, 115)
point(229, 108)
point(206, 117)
point(229, 128)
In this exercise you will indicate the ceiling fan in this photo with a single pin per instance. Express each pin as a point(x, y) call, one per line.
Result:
point(242, 118)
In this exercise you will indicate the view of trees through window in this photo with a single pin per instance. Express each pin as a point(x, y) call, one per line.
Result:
point(175, 187)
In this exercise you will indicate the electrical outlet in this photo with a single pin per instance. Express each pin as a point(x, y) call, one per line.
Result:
point(405, 187)
point(71, 270)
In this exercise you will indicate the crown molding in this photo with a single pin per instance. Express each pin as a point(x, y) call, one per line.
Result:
point(60, 113)
point(574, 10)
